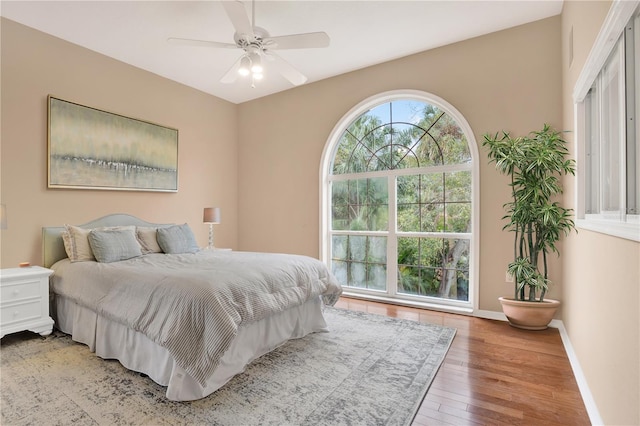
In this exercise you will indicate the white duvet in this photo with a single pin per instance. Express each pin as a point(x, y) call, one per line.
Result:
point(193, 304)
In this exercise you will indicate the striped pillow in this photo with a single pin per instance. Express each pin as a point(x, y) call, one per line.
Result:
point(113, 245)
point(76, 244)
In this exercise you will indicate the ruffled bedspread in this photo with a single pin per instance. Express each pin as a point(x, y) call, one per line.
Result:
point(193, 304)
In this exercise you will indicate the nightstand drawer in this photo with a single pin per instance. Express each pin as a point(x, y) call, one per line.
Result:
point(24, 300)
point(21, 312)
point(20, 291)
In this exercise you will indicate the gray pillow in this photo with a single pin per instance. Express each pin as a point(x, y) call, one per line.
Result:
point(112, 245)
point(177, 239)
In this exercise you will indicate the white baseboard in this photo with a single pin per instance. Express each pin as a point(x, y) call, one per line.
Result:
point(492, 315)
point(587, 397)
point(585, 392)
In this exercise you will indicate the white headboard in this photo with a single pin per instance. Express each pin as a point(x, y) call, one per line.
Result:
point(53, 247)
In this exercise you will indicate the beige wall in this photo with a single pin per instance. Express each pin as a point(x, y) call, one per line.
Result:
point(34, 65)
point(601, 273)
point(260, 162)
point(507, 80)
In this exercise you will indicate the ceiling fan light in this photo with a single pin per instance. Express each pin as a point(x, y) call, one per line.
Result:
point(258, 75)
point(256, 63)
point(245, 64)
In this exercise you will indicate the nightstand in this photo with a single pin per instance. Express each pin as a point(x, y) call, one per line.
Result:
point(24, 300)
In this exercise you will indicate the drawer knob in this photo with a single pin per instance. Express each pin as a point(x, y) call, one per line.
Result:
point(16, 292)
point(16, 313)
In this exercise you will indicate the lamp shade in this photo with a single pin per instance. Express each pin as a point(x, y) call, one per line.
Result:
point(211, 215)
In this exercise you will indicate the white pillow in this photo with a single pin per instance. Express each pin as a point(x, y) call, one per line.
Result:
point(76, 244)
point(147, 237)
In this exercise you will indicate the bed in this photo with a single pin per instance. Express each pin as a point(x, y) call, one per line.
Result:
point(189, 319)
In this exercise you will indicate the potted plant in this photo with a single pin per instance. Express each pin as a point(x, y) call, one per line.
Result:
point(535, 165)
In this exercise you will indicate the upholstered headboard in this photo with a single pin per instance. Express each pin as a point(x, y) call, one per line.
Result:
point(53, 246)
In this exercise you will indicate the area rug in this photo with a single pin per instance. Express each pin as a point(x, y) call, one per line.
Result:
point(367, 370)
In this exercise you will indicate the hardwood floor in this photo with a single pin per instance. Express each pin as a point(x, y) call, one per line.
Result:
point(493, 373)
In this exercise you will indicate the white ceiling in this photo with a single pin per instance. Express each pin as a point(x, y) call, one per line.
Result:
point(362, 33)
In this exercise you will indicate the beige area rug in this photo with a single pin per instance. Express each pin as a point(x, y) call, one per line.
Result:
point(368, 370)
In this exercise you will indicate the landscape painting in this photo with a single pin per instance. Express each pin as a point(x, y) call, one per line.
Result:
point(94, 149)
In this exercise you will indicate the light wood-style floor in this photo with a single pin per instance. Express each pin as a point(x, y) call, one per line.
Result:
point(493, 373)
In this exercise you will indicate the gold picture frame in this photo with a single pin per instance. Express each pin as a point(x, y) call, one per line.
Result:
point(90, 148)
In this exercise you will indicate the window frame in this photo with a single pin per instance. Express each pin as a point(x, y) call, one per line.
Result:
point(325, 199)
point(621, 224)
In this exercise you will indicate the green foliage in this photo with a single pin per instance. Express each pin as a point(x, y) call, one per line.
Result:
point(535, 164)
point(427, 202)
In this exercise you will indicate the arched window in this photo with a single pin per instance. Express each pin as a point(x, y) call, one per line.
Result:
point(399, 212)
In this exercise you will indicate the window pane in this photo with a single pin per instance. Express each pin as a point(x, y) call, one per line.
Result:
point(444, 142)
point(633, 142)
point(432, 188)
point(408, 189)
point(360, 205)
point(408, 217)
point(377, 250)
point(592, 153)
point(458, 217)
point(357, 275)
point(357, 248)
point(434, 267)
point(377, 277)
point(458, 186)
point(340, 205)
point(455, 149)
point(432, 217)
point(417, 281)
point(339, 269)
point(398, 135)
point(421, 202)
point(343, 153)
point(339, 246)
point(366, 261)
point(612, 113)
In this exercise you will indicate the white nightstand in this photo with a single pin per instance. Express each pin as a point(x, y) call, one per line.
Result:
point(24, 300)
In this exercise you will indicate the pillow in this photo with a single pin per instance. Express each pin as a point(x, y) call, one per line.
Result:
point(177, 239)
point(114, 244)
point(147, 237)
point(76, 244)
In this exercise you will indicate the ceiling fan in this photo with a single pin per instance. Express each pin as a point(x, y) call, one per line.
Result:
point(258, 45)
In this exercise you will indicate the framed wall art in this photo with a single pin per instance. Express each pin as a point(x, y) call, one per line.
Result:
point(93, 149)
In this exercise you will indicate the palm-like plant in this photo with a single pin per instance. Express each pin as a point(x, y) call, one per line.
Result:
point(535, 164)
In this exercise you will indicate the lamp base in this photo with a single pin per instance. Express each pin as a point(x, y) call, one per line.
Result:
point(211, 246)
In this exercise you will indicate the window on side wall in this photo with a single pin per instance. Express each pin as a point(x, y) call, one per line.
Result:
point(608, 129)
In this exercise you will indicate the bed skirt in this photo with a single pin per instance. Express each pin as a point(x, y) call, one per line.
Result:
point(112, 340)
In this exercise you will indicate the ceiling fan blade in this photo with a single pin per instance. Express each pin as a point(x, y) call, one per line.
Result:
point(238, 16)
point(298, 41)
point(203, 43)
point(231, 75)
point(286, 69)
